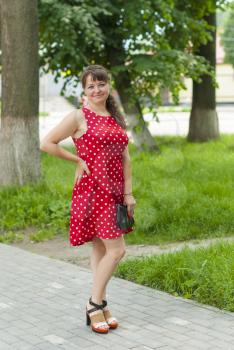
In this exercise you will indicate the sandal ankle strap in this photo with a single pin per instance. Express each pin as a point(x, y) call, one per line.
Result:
point(97, 306)
point(104, 302)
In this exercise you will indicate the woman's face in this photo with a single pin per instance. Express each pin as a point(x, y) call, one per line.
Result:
point(96, 91)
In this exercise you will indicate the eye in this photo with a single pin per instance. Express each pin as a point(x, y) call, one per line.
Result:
point(90, 87)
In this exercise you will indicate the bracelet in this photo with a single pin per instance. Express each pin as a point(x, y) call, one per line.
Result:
point(125, 194)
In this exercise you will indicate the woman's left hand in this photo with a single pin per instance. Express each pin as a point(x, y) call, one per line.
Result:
point(129, 200)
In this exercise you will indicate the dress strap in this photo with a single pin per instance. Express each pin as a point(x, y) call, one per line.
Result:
point(85, 111)
point(85, 114)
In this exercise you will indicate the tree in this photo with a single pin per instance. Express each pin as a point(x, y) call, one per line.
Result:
point(227, 38)
point(149, 63)
point(68, 35)
point(135, 40)
point(203, 125)
point(19, 134)
point(19, 138)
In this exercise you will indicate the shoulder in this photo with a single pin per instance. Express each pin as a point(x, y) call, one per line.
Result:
point(79, 115)
point(75, 116)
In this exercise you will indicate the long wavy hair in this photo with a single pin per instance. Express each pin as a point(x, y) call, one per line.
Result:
point(98, 72)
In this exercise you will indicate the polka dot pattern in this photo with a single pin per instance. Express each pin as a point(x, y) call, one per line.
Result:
point(94, 198)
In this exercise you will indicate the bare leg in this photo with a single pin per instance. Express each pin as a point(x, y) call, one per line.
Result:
point(98, 253)
point(115, 250)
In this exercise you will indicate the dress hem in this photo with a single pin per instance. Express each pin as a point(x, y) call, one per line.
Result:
point(90, 240)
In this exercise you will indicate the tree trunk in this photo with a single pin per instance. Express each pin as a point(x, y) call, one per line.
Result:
point(138, 127)
point(203, 124)
point(19, 134)
point(143, 140)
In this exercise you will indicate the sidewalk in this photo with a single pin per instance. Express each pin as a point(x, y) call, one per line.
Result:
point(42, 306)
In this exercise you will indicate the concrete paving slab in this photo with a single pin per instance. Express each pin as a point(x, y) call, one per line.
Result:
point(42, 306)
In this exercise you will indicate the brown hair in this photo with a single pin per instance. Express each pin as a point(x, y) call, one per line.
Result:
point(100, 73)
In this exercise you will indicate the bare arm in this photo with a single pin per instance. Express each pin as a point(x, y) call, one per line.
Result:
point(129, 200)
point(64, 129)
point(127, 169)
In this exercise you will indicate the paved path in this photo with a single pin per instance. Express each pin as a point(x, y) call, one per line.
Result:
point(177, 123)
point(42, 306)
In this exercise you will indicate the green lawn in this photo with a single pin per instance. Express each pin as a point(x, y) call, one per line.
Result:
point(186, 192)
point(205, 274)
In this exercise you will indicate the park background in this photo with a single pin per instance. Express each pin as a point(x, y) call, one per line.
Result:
point(181, 141)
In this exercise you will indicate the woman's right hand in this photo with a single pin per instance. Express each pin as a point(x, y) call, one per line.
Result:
point(81, 167)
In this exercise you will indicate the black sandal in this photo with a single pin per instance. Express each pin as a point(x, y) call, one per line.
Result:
point(111, 321)
point(97, 321)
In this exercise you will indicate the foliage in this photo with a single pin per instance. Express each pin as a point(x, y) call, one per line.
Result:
point(68, 33)
point(227, 38)
point(148, 40)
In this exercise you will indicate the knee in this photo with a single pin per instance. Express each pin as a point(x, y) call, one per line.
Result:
point(123, 251)
point(117, 254)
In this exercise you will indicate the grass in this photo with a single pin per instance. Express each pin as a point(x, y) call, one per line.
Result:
point(169, 109)
point(44, 206)
point(205, 274)
point(172, 109)
point(185, 192)
point(44, 114)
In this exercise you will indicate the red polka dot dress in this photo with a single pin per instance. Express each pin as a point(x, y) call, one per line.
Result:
point(94, 197)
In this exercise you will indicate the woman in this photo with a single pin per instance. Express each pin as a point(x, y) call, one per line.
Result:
point(102, 179)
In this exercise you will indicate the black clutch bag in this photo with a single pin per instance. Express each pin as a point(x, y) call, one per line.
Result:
point(124, 222)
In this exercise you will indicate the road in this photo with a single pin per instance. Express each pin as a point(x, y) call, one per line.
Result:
point(171, 123)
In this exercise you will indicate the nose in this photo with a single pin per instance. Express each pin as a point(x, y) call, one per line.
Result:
point(97, 89)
